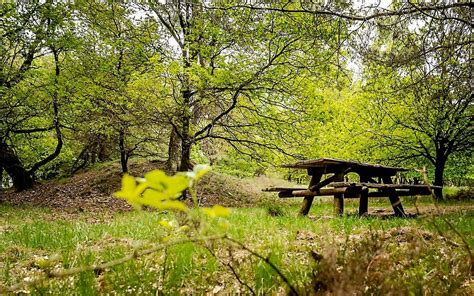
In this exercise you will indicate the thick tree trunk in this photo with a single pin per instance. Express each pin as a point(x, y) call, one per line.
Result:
point(57, 126)
point(22, 179)
point(185, 164)
point(439, 176)
point(123, 152)
point(188, 53)
point(103, 150)
point(173, 152)
point(186, 141)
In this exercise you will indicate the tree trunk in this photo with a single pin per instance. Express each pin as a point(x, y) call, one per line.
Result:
point(173, 152)
point(186, 141)
point(188, 52)
point(103, 150)
point(439, 175)
point(185, 164)
point(22, 179)
point(123, 152)
point(1, 176)
point(56, 124)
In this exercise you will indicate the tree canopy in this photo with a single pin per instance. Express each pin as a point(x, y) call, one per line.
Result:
point(237, 84)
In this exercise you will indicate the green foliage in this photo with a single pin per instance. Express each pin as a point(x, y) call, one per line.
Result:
point(235, 164)
point(160, 191)
point(460, 194)
point(264, 87)
point(245, 90)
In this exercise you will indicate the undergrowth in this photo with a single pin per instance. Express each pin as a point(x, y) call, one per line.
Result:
point(318, 255)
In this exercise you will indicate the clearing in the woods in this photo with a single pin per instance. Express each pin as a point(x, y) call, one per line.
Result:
point(316, 254)
point(142, 143)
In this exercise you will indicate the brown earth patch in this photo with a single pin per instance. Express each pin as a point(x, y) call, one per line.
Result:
point(85, 191)
point(92, 190)
point(423, 210)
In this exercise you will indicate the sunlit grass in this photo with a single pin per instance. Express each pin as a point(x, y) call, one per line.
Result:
point(86, 238)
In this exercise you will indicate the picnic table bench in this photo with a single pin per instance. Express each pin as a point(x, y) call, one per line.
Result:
point(375, 181)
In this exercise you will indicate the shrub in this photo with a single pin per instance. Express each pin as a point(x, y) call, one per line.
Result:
point(463, 194)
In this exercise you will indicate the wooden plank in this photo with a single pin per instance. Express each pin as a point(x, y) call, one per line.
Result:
point(308, 200)
point(398, 192)
point(278, 189)
point(331, 192)
point(327, 181)
point(331, 165)
point(303, 193)
point(381, 186)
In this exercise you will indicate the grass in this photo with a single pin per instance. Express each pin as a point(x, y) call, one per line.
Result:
point(355, 253)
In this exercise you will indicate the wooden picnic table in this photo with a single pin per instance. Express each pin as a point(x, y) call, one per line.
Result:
point(372, 177)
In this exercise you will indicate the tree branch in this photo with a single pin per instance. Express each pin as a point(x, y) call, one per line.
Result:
point(353, 17)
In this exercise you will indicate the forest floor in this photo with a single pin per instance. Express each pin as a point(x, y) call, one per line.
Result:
point(320, 254)
point(92, 190)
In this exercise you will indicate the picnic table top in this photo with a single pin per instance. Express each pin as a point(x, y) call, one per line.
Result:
point(332, 165)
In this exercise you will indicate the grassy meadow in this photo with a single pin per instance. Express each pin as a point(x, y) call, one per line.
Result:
point(137, 139)
point(317, 255)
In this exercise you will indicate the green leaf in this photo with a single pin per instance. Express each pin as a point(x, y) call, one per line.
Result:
point(217, 211)
point(166, 224)
point(170, 186)
point(130, 191)
point(161, 201)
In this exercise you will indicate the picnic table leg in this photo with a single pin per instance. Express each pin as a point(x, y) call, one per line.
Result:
point(308, 200)
point(364, 201)
point(339, 198)
point(364, 196)
point(394, 199)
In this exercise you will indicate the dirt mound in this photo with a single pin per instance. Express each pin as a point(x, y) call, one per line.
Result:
point(229, 191)
point(92, 190)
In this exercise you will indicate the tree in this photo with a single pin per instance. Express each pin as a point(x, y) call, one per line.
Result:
point(29, 32)
point(269, 80)
point(239, 73)
point(422, 76)
point(115, 51)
